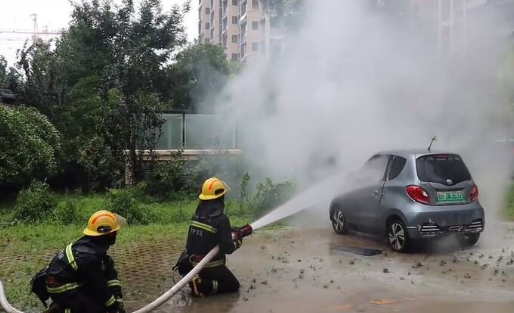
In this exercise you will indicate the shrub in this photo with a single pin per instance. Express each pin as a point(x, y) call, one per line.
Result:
point(30, 146)
point(172, 179)
point(100, 164)
point(35, 203)
point(66, 212)
point(270, 195)
point(244, 194)
point(128, 202)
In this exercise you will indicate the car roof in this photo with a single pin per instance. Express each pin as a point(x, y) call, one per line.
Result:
point(413, 152)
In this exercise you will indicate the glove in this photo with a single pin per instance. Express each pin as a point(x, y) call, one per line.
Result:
point(238, 243)
point(114, 308)
point(53, 308)
point(121, 306)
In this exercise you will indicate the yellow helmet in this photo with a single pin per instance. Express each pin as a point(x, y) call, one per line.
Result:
point(213, 188)
point(101, 223)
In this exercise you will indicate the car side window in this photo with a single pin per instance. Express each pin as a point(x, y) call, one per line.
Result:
point(396, 166)
point(375, 168)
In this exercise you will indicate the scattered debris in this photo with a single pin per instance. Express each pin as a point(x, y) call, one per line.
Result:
point(417, 265)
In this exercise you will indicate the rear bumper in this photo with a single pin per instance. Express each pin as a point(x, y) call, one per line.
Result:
point(432, 221)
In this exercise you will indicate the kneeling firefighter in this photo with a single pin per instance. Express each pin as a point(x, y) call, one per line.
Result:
point(211, 227)
point(82, 277)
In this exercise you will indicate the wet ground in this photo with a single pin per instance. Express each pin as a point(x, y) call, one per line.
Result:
point(307, 270)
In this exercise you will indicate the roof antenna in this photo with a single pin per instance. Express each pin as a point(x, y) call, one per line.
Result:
point(433, 139)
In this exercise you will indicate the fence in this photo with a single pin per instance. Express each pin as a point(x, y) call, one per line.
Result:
point(197, 132)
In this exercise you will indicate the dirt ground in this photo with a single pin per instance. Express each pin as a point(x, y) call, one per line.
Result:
point(304, 270)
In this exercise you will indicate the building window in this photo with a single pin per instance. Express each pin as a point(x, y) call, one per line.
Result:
point(234, 39)
point(234, 57)
point(235, 2)
point(255, 25)
point(207, 10)
point(255, 46)
point(263, 46)
point(207, 25)
point(255, 4)
point(235, 20)
point(206, 40)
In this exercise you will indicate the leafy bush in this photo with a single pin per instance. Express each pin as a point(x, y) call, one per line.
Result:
point(270, 195)
point(30, 146)
point(66, 212)
point(100, 164)
point(128, 202)
point(244, 193)
point(35, 203)
point(172, 179)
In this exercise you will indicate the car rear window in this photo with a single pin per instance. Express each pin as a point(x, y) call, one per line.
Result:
point(439, 168)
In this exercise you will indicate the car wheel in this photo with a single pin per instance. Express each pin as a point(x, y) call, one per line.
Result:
point(339, 222)
point(397, 236)
point(469, 240)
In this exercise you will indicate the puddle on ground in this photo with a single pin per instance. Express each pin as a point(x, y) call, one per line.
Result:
point(355, 250)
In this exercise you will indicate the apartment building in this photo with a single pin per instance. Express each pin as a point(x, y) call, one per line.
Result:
point(448, 18)
point(240, 27)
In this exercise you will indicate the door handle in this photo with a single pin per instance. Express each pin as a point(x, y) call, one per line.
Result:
point(375, 193)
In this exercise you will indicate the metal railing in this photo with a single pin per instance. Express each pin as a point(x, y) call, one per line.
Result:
point(197, 131)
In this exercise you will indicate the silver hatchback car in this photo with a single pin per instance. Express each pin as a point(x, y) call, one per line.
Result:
point(407, 195)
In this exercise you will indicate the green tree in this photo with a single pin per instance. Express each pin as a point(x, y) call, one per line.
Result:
point(198, 75)
point(3, 70)
point(133, 127)
point(38, 89)
point(127, 51)
point(108, 67)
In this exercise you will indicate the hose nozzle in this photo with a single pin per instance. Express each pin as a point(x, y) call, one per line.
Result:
point(245, 231)
point(241, 232)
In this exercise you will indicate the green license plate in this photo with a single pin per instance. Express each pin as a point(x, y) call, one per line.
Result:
point(450, 196)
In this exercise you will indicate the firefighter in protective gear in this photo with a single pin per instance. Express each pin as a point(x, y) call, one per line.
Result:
point(210, 227)
point(82, 277)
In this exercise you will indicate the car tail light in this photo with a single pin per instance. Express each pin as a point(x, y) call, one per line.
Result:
point(418, 194)
point(474, 193)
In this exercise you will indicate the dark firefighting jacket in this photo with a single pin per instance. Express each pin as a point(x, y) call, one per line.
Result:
point(85, 264)
point(210, 227)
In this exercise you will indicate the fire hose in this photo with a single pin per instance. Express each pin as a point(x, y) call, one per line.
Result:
point(239, 234)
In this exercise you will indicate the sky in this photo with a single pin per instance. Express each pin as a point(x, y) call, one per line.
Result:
point(54, 14)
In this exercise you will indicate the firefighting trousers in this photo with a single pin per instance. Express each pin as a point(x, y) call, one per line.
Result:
point(218, 279)
point(77, 301)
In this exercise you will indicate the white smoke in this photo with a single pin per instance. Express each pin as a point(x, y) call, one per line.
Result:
point(355, 80)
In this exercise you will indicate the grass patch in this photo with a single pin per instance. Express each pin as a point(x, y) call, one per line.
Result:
point(26, 248)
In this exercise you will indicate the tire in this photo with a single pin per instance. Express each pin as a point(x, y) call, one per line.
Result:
point(339, 222)
point(469, 240)
point(397, 236)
